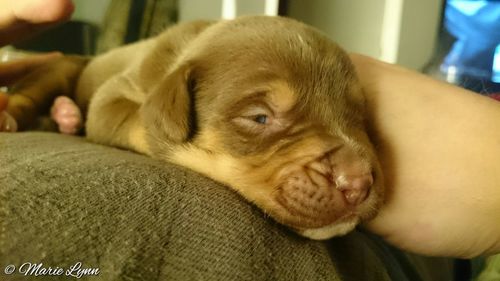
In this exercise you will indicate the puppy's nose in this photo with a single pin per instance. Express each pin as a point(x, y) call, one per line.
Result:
point(354, 188)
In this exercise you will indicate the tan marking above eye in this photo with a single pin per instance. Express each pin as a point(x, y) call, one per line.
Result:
point(281, 97)
point(257, 109)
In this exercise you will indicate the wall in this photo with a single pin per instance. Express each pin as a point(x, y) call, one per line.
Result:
point(216, 9)
point(397, 31)
point(199, 9)
point(419, 32)
point(90, 10)
point(355, 25)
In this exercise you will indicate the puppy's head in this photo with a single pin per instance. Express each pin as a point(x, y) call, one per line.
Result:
point(272, 108)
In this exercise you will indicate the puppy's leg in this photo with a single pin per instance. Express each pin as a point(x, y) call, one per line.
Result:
point(121, 114)
point(34, 94)
point(67, 115)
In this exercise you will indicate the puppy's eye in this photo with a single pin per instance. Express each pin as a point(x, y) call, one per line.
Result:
point(255, 119)
point(261, 119)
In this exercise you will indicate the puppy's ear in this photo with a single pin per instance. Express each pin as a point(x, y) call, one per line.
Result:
point(168, 111)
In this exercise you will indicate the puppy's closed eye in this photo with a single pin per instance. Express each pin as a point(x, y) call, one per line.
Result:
point(258, 120)
point(261, 119)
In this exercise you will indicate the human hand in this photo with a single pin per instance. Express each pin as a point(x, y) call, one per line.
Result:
point(439, 150)
point(20, 19)
point(14, 72)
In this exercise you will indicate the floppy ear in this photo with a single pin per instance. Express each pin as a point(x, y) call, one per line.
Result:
point(168, 111)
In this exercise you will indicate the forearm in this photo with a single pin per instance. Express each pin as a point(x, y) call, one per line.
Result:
point(439, 146)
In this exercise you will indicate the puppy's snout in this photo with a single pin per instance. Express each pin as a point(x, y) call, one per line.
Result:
point(354, 188)
point(328, 188)
point(344, 171)
point(352, 175)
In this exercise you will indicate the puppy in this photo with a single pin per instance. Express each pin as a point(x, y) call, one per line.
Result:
point(265, 105)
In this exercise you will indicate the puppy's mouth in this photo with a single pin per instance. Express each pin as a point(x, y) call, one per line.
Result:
point(325, 192)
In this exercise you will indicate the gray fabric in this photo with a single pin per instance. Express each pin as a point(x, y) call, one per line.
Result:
point(64, 200)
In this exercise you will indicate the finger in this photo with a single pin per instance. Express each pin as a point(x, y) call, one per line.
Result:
point(34, 11)
point(12, 71)
point(21, 17)
point(21, 31)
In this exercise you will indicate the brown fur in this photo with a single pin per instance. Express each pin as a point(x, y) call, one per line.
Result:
point(191, 95)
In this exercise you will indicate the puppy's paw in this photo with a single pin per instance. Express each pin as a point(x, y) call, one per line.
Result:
point(7, 122)
point(67, 115)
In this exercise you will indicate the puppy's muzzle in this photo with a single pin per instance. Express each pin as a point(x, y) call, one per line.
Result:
point(327, 190)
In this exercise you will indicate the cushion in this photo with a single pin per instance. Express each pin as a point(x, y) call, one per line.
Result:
point(65, 201)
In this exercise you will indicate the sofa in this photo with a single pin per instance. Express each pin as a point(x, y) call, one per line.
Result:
point(67, 203)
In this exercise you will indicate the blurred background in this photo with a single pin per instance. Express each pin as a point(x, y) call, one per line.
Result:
point(454, 40)
point(393, 30)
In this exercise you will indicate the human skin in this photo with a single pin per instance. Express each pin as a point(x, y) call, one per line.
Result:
point(439, 147)
point(19, 20)
point(22, 18)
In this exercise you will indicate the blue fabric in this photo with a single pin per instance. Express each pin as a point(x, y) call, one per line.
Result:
point(476, 26)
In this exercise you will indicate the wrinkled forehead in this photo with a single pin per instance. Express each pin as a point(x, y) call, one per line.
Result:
point(290, 66)
point(302, 84)
point(240, 90)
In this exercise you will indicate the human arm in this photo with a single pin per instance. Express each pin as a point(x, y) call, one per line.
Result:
point(439, 146)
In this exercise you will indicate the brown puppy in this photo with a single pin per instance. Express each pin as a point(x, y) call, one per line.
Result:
point(266, 105)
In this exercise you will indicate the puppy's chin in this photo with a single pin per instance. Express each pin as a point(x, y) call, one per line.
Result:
point(329, 231)
point(343, 225)
point(330, 224)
